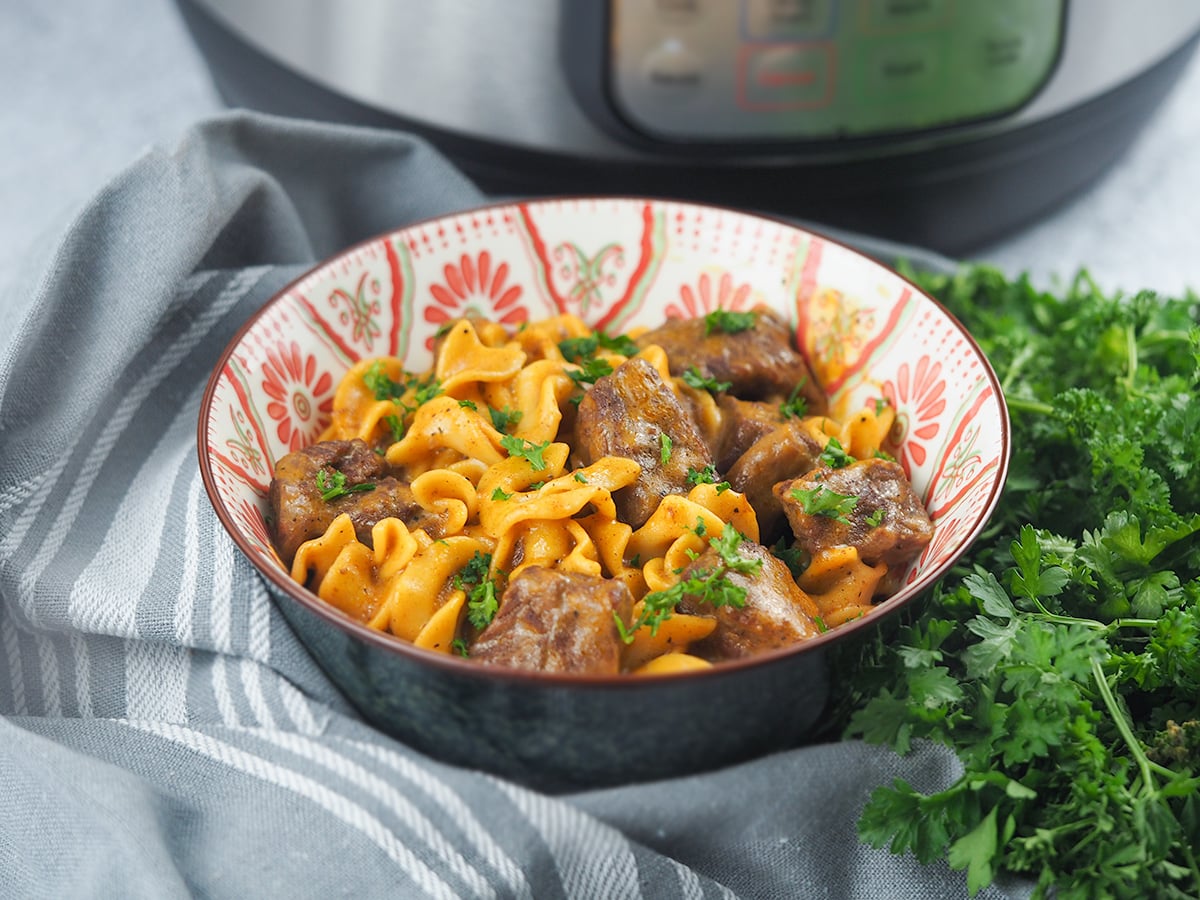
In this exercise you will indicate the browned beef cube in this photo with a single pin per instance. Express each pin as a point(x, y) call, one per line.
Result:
point(887, 521)
point(626, 414)
point(552, 621)
point(785, 452)
point(300, 514)
point(759, 362)
point(776, 612)
point(742, 423)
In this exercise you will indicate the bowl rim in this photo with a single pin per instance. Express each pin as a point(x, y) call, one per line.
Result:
point(454, 665)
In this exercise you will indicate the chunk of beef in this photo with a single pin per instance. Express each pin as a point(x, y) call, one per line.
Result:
point(742, 423)
point(300, 514)
point(786, 451)
point(626, 413)
point(759, 362)
point(888, 522)
point(553, 621)
point(776, 612)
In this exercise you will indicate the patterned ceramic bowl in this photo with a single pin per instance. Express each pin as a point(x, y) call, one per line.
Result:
point(616, 263)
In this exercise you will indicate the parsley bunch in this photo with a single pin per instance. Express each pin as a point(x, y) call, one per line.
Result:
point(1061, 659)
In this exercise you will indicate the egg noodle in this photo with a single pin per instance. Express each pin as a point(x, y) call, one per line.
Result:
point(476, 436)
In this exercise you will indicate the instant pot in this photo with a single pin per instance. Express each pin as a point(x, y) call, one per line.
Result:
point(944, 123)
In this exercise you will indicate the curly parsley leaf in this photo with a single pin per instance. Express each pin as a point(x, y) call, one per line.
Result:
point(334, 485)
point(693, 377)
point(590, 370)
point(711, 586)
point(824, 501)
point(503, 418)
point(728, 321)
point(1060, 660)
point(482, 603)
point(835, 456)
point(380, 384)
point(578, 348)
point(528, 450)
point(795, 406)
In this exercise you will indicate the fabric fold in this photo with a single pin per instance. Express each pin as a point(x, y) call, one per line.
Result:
point(162, 731)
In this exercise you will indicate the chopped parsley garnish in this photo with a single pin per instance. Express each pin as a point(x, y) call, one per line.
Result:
point(693, 377)
point(384, 388)
point(875, 518)
point(822, 501)
point(581, 478)
point(332, 487)
point(578, 348)
point(590, 370)
point(664, 447)
point(468, 404)
point(502, 418)
point(473, 580)
point(426, 390)
point(527, 450)
point(501, 494)
point(459, 646)
point(728, 321)
point(379, 384)
point(835, 456)
point(709, 586)
point(396, 425)
point(791, 555)
point(794, 406)
point(707, 475)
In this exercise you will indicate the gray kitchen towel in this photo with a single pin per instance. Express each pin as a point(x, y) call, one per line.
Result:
point(162, 732)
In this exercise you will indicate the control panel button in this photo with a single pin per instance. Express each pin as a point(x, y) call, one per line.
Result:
point(679, 12)
point(901, 68)
point(672, 66)
point(903, 16)
point(787, 76)
point(788, 20)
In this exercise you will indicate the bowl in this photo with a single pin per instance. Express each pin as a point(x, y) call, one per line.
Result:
point(617, 263)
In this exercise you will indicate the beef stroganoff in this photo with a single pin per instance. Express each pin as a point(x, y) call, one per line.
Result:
point(563, 500)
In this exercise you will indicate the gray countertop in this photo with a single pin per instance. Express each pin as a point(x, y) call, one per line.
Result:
point(95, 83)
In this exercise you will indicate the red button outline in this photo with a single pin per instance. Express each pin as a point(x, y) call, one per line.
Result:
point(748, 50)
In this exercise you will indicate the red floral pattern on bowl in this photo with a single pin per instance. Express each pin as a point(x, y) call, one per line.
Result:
point(618, 263)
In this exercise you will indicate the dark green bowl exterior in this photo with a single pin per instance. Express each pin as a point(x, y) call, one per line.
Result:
point(560, 733)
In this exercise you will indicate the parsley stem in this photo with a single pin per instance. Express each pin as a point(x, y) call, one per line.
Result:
point(1018, 362)
point(1191, 860)
point(1056, 619)
point(1122, 724)
point(1131, 347)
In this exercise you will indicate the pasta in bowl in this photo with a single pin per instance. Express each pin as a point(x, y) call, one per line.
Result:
point(582, 491)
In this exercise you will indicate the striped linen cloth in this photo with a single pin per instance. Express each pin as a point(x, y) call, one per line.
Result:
point(162, 733)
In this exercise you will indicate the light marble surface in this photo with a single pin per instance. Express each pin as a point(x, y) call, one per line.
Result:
point(94, 82)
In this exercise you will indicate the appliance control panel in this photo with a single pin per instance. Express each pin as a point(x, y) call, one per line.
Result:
point(814, 70)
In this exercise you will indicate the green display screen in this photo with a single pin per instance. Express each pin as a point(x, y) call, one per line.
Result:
point(813, 69)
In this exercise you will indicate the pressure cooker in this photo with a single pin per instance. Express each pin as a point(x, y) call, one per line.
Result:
point(944, 123)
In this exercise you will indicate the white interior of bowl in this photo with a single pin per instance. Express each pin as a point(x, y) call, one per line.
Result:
point(616, 263)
